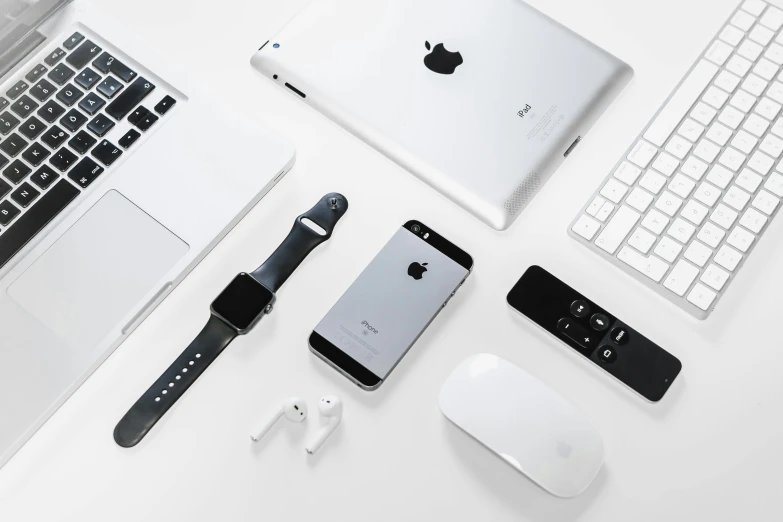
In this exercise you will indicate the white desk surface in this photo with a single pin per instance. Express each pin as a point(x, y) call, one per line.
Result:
point(711, 450)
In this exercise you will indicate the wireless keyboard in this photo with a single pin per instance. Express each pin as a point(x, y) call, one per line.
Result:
point(698, 188)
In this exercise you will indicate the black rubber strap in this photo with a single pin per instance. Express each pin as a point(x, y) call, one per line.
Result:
point(170, 386)
point(301, 241)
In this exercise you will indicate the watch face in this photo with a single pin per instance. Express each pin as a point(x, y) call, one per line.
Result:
point(242, 302)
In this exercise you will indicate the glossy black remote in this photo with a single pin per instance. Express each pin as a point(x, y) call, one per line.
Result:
point(595, 333)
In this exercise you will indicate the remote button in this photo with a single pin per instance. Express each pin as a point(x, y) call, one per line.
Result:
point(599, 322)
point(82, 56)
point(607, 354)
point(619, 335)
point(580, 309)
point(73, 41)
point(577, 333)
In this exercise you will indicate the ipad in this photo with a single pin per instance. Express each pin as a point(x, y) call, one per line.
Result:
point(481, 99)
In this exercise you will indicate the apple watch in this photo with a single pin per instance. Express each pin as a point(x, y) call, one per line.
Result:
point(234, 312)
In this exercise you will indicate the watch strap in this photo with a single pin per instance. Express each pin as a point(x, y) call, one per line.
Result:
point(170, 386)
point(301, 241)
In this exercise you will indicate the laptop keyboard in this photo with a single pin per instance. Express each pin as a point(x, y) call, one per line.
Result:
point(62, 127)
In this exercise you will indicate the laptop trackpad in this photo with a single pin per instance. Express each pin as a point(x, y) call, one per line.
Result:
point(92, 276)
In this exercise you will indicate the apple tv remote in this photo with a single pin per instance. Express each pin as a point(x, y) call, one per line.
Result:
point(595, 333)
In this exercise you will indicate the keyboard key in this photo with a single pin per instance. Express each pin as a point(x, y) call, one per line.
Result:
point(748, 180)
point(627, 173)
point(73, 41)
point(731, 117)
point(761, 35)
point(132, 135)
point(775, 184)
point(766, 202)
point(754, 7)
point(51, 111)
point(7, 122)
point(750, 50)
point(706, 150)
point(715, 97)
point(32, 128)
point(35, 154)
point(681, 230)
point(137, 115)
point(698, 254)
point(743, 101)
point(719, 133)
point(653, 182)
point(3, 103)
point(604, 212)
point(592, 210)
point(732, 158)
point(719, 176)
point(665, 164)
point(690, 130)
point(54, 57)
point(755, 85)
point(772, 18)
point(682, 185)
point(85, 172)
point(772, 145)
point(106, 153)
point(694, 168)
point(13, 145)
point(24, 106)
point(60, 74)
point(703, 113)
point(42, 90)
point(63, 159)
point(655, 222)
point(73, 120)
point(100, 125)
point(753, 220)
point(54, 137)
point(761, 163)
point(44, 177)
point(87, 78)
point(681, 277)
point(740, 66)
point(723, 216)
point(744, 142)
point(69, 95)
point(668, 203)
point(736, 198)
point(7, 214)
point(766, 69)
point(639, 199)
point(727, 81)
point(651, 266)
point(35, 219)
point(755, 125)
point(16, 172)
point(715, 277)
point(107, 63)
point(3, 161)
point(103, 62)
point(84, 54)
point(642, 240)
point(678, 147)
point(109, 87)
point(711, 235)
point(617, 229)
point(586, 227)
point(694, 212)
point(82, 142)
point(25, 195)
point(682, 100)
point(707, 194)
point(740, 239)
point(35, 73)
point(728, 258)
point(91, 103)
point(614, 191)
point(5, 188)
point(135, 93)
point(17, 90)
point(718, 52)
point(743, 20)
point(731, 35)
point(768, 108)
point(701, 296)
point(164, 105)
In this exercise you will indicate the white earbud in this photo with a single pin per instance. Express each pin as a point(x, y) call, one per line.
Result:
point(294, 409)
point(331, 407)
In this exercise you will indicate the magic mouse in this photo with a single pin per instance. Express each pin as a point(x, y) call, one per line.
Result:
point(529, 425)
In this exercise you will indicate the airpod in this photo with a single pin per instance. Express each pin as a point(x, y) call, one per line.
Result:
point(294, 409)
point(330, 407)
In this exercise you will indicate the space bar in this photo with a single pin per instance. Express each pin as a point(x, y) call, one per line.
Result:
point(679, 104)
point(26, 227)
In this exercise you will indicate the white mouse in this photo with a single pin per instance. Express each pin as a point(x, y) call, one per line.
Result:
point(525, 422)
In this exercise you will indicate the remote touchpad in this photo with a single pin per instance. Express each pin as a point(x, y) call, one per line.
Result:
point(92, 276)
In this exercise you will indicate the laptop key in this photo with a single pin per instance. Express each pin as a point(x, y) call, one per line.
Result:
point(85, 172)
point(73, 41)
point(69, 95)
point(54, 57)
point(63, 159)
point(17, 90)
point(87, 78)
point(100, 125)
point(91, 103)
point(108, 63)
point(51, 111)
point(146, 122)
point(54, 137)
point(32, 128)
point(35, 73)
point(3, 161)
point(5, 188)
point(34, 220)
point(13, 145)
point(43, 177)
point(3, 103)
point(35, 154)
point(7, 213)
point(24, 106)
point(129, 139)
point(61, 74)
point(103, 62)
point(129, 99)
point(83, 55)
point(164, 105)
point(7, 123)
point(16, 172)
point(106, 153)
point(137, 115)
point(73, 120)
point(42, 90)
point(109, 87)
point(25, 195)
point(82, 142)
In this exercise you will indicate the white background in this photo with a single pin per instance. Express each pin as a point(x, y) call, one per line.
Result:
point(711, 450)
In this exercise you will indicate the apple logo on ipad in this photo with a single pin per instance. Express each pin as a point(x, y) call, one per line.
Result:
point(416, 270)
point(440, 60)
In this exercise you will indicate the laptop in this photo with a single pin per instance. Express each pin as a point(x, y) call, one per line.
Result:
point(118, 174)
point(481, 99)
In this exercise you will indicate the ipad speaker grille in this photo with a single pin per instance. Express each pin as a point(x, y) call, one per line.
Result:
point(523, 194)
